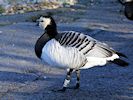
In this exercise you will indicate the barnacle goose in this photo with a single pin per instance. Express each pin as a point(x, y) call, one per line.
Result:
point(72, 50)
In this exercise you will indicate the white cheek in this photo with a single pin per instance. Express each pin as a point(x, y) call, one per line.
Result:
point(42, 25)
point(45, 23)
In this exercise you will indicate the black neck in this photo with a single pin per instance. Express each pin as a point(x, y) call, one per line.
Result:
point(51, 31)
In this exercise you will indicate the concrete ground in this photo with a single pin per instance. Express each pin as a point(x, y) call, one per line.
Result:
point(24, 77)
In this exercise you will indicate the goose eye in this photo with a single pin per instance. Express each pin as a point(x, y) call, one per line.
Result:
point(41, 21)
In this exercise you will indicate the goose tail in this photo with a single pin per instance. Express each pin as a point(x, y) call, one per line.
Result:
point(120, 62)
point(121, 54)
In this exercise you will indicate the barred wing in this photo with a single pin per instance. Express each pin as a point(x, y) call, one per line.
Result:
point(85, 44)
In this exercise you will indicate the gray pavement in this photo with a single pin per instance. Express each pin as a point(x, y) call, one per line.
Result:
point(24, 77)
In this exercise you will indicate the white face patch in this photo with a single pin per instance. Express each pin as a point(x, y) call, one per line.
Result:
point(44, 22)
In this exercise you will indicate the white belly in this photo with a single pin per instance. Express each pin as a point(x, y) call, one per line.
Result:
point(58, 56)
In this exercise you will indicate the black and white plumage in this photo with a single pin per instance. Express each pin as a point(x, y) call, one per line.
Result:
point(72, 50)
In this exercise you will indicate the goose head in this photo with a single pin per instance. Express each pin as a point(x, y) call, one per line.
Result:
point(47, 23)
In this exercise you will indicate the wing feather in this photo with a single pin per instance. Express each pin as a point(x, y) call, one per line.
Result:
point(85, 44)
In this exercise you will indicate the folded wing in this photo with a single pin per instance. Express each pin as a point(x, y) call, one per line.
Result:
point(85, 44)
point(97, 53)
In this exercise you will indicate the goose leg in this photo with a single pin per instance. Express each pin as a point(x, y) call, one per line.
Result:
point(67, 80)
point(78, 79)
